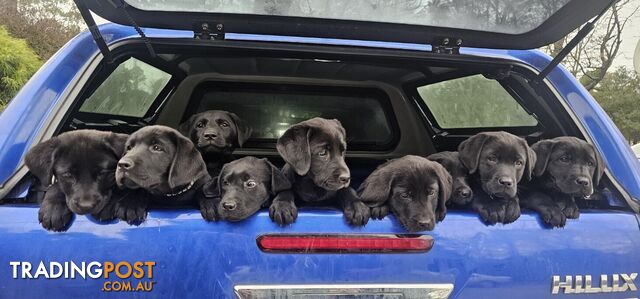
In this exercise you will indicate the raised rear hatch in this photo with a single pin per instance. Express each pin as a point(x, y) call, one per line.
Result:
point(499, 24)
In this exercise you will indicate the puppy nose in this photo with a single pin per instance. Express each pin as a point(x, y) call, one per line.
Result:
point(506, 181)
point(345, 179)
point(583, 181)
point(465, 192)
point(125, 164)
point(229, 205)
point(210, 135)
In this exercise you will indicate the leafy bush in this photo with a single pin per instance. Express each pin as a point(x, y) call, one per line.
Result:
point(17, 63)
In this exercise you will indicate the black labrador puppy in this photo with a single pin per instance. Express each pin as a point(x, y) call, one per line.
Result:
point(216, 134)
point(567, 168)
point(462, 193)
point(164, 163)
point(77, 168)
point(314, 151)
point(414, 188)
point(242, 188)
point(497, 161)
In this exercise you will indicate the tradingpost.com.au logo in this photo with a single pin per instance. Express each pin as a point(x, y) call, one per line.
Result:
point(119, 276)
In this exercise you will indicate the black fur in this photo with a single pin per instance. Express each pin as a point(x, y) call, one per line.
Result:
point(216, 134)
point(567, 168)
point(77, 168)
point(164, 163)
point(462, 192)
point(497, 161)
point(315, 154)
point(243, 187)
point(415, 189)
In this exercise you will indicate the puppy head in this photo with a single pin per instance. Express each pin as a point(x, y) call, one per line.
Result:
point(462, 193)
point(413, 187)
point(159, 159)
point(216, 131)
point(500, 160)
point(247, 184)
point(568, 164)
point(82, 164)
point(316, 148)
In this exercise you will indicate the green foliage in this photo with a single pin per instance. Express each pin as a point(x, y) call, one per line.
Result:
point(619, 95)
point(17, 63)
point(129, 90)
point(474, 102)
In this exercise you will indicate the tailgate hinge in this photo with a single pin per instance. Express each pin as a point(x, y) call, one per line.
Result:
point(447, 45)
point(204, 31)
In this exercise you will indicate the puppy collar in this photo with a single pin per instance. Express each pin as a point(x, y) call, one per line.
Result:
point(185, 189)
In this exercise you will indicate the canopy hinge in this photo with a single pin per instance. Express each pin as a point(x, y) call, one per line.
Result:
point(95, 31)
point(204, 31)
point(447, 45)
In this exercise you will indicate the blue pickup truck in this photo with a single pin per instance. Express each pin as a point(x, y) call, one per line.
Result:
point(403, 77)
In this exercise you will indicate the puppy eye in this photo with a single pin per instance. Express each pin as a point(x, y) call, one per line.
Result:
point(250, 183)
point(67, 175)
point(128, 148)
point(200, 124)
point(564, 159)
point(405, 195)
point(322, 152)
point(492, 158)
point(519, 163)
point(225, 182)
point(432, 192)
point(590, 164)
point(156, 148)
point(224, 124)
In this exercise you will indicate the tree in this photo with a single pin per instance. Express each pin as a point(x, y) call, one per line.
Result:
point(592, 58)
point(45, 24)
point(17, 63)
point(619, 94)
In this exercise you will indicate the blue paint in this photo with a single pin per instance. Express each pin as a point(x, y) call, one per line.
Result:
point(199, 259)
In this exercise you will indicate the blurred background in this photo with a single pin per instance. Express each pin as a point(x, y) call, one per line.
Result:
point(31, 31)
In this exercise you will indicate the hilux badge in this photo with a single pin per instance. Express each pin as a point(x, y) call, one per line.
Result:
point(579, 284)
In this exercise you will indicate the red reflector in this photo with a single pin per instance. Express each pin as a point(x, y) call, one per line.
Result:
point(339, 243)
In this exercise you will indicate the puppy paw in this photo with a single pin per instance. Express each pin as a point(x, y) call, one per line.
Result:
point(132, 211)
point(283, 212)
point(492, 213)
point(379, 212)
point(356, 213)
point(553, 216)
point(106, 214)
point(512, 212)
point(571, 211)
point(208, 209)
point(54, 216)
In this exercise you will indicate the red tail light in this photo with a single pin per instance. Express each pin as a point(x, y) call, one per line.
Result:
point(344, 243)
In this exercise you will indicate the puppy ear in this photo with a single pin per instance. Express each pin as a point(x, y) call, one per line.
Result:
point(279, 182)
point(445, 185)
point(377, 187)
point(531, 160)
point(39, 160)
point(293, 146)
point(470, 149)
point(115, 142)
point(211, 189)
point(599, 172)
point(243, 130)
point(185, 127)
point(187, 164)
point(543, 150)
